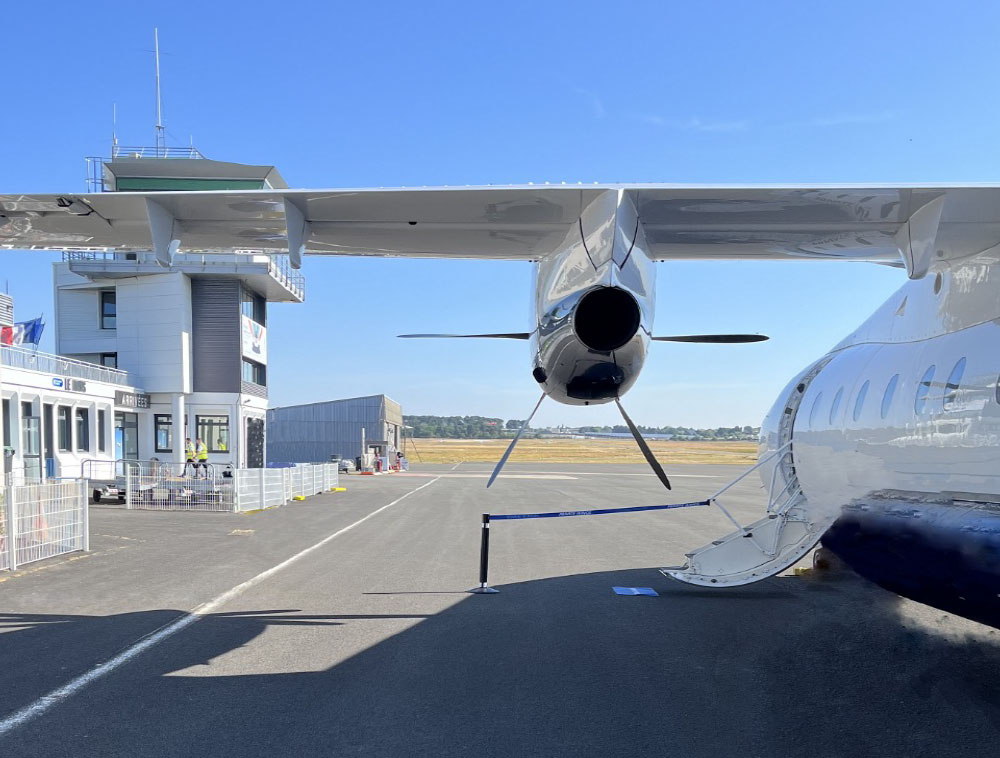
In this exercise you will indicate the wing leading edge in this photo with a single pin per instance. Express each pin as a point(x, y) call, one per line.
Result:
point(901, 225)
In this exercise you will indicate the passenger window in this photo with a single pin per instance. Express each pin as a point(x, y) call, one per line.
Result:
point(836, 404)
point(890, 390)
point(923, 389)
point(860, 402)
point(954, 380)
point(814, 409)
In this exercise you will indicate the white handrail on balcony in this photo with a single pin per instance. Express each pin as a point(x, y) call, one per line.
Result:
point(278, 264)
point(14, 356)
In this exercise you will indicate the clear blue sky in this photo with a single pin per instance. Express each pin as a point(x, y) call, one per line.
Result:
point(386, 94)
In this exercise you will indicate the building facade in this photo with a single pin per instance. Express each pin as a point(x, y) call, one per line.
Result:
point(357, 427)
point(148, 354)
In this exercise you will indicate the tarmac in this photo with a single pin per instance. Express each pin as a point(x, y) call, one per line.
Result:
point(340, 626)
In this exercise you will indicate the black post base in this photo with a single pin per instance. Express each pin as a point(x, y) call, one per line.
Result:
point(482, 590)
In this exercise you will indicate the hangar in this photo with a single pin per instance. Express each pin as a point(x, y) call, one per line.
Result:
point(369, 427)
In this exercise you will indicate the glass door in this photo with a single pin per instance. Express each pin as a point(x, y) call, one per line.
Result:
point(31, 447)
point(126, 436)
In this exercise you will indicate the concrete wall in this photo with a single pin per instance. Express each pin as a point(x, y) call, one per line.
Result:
point(77, 322)
point(153, 327)
point(154, 331)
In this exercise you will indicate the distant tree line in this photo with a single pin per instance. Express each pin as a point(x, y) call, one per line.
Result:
point(457, 427)
point(483, 427)
point(681, 432)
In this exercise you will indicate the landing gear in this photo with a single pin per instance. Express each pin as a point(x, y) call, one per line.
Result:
point(825, 561)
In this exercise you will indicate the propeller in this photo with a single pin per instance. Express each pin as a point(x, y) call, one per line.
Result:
point(717, 338)
point(646, 452)
point(510, 447)
point(510, 336)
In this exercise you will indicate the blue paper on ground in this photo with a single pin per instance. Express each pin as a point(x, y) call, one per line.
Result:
point(635, 591)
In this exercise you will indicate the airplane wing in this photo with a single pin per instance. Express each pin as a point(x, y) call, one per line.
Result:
point(900, 225)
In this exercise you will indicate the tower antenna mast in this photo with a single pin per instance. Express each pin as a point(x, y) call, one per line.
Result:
point(161, 140)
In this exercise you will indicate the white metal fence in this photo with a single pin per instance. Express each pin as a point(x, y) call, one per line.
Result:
point(159, 486)
point(40, 521)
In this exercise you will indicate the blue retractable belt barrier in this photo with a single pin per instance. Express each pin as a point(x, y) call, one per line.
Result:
point(484, 547)
point(597, 512)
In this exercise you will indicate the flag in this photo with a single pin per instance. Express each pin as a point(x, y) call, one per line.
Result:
point(23, 332)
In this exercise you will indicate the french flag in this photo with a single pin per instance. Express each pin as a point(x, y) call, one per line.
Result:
point(24, 332)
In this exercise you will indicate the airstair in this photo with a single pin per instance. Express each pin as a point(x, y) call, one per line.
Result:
point(768, 546)
point(790, 528)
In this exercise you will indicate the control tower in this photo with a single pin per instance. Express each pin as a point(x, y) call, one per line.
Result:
point(192, 334)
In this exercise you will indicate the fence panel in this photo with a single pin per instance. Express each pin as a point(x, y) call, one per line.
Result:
point(39, 521)
point(249, 496)
point(274, 487)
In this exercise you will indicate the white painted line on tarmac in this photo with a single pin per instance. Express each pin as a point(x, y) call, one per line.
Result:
point(46, 702)
point(487, 476)
point(613, 474)
point(563, 475)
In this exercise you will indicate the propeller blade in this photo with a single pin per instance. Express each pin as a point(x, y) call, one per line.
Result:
point(717, 338)
point(510, 447)
point(510, 336)
point(647, 453)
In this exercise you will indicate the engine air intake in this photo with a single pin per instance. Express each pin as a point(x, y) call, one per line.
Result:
point(606, 319)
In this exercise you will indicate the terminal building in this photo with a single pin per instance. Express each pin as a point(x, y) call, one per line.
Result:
point(149, 355)
point(359, 427)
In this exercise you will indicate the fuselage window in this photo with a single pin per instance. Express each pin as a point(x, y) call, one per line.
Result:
point(890, 390)
point(860, 402)
point(951, 388)
point(923, 389)
point(836, 404)
point(814, 409)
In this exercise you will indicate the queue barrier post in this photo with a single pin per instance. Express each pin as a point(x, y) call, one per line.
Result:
point(484, 545)
point(484, 561)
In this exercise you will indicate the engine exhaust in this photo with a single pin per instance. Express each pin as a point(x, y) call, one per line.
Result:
point(606, 318)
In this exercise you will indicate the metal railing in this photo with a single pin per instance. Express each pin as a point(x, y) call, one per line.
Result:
point(164, 486)
point(162, 151)
point(779, 499)
point(39, 521)
point(155, 485)
point(14, 356)
point(278, 264)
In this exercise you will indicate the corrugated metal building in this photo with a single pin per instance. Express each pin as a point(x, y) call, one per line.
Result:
point(312, 433)
point(6, 310)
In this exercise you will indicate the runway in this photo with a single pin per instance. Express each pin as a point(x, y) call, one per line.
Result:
point(340, 626)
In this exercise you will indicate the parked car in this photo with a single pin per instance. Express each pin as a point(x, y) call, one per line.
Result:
point(346, 465)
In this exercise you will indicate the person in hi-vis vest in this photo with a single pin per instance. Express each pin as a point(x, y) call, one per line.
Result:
point(201, 459)
point(189, 457)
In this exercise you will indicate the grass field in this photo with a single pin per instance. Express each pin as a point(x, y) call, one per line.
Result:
point(580, 451)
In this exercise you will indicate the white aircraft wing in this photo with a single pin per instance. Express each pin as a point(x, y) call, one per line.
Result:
point(902, 224)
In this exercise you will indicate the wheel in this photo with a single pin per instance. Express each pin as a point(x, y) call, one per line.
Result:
point(827, 561)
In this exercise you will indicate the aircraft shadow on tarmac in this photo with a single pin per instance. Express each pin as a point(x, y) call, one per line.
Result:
point(551, 667)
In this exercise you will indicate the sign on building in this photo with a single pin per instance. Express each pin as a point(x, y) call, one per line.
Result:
point(131, 399)
point(254, 340)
